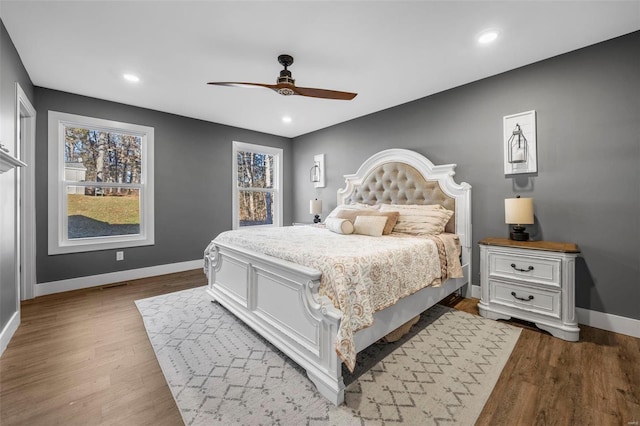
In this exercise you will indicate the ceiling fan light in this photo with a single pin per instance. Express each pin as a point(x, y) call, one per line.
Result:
point(285, 91)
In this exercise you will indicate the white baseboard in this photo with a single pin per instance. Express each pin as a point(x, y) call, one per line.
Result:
point(7, 333)
point(476, 293)
point(609, 322)
point(114, 277)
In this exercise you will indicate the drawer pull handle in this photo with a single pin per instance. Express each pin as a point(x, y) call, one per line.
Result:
point(513, 265)
point(513, 293)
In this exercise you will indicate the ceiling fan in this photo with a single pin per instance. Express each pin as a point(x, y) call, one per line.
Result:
point(286, 86)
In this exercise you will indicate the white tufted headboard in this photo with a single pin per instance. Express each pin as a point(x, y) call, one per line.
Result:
point(401, 176)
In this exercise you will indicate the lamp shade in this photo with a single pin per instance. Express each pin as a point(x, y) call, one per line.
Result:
point(315, 206)
point(518, 211)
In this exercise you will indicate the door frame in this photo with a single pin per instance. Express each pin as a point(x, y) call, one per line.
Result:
point(25, 130)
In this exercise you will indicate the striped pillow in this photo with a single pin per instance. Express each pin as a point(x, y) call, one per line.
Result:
point(419, 219)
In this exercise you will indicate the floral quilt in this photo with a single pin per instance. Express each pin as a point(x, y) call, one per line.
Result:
point(360, 274)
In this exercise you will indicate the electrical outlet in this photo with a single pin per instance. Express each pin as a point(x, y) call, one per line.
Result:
point(119, 255)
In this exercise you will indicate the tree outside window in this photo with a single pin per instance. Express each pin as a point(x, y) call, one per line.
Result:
point(102, 157)
point(257, 200)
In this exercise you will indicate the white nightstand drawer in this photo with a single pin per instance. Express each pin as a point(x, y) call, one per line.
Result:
point(527, 268)
point(546, 302)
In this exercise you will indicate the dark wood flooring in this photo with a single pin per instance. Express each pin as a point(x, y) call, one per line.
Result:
point(84, 358)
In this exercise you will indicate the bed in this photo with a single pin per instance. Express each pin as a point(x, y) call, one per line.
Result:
point(282, 297)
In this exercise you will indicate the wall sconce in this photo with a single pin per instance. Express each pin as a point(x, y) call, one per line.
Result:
point(517, 212)
point(316, 174)
point(519, 139)
point(315, 208)
point(517, 147)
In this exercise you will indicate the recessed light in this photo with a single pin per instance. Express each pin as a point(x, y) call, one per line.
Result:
point(131, 77)
point(488, 36)
point(287, 119)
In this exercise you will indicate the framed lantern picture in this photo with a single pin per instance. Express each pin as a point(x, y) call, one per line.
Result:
point(519, 135)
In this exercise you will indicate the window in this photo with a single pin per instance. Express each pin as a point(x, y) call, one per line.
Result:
point(100, 184)
point(257, 183)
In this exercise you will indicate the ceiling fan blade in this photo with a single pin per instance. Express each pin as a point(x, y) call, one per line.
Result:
point(323, 93)
point(290, 89)
point(243, 85)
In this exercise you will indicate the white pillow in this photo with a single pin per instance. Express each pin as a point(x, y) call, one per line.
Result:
point(419, 219)
point(369, 225)
point(354, 206)
point(339, 226)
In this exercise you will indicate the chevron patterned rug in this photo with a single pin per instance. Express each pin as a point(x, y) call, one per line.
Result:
point(221, 372)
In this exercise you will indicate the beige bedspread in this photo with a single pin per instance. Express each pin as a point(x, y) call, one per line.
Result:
point(360, 274)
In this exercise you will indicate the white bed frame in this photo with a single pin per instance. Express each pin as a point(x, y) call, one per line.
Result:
point(280, 300)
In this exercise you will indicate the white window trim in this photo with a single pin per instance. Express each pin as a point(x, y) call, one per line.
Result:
point(277, 170)
point(58, 241)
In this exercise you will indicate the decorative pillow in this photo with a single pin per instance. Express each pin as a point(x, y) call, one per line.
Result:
point(392, 217)
point(420, 219)
point(369, 225)
point(339, 226)
point(355, 207)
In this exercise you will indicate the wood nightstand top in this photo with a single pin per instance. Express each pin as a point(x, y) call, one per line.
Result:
point(534, 245)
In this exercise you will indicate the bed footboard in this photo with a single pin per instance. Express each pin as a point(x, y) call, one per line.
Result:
point(280, 301)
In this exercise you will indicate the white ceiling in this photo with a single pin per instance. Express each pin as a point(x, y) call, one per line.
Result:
point(388, 52)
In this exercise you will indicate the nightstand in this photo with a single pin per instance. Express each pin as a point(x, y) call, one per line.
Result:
point(530, 280)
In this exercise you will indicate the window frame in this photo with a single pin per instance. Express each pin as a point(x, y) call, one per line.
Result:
point(58, 241)
point(277, 154)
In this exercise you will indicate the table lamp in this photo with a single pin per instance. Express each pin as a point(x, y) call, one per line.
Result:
point(315, 208)
point(517, 212)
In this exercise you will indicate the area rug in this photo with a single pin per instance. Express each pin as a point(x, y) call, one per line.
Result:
point(222, 372)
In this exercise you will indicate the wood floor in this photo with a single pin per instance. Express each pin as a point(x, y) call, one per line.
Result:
point(83, 358)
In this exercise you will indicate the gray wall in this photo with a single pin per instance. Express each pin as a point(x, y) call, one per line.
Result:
point(587, 189)
point(192, 185)
point(11, 71)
